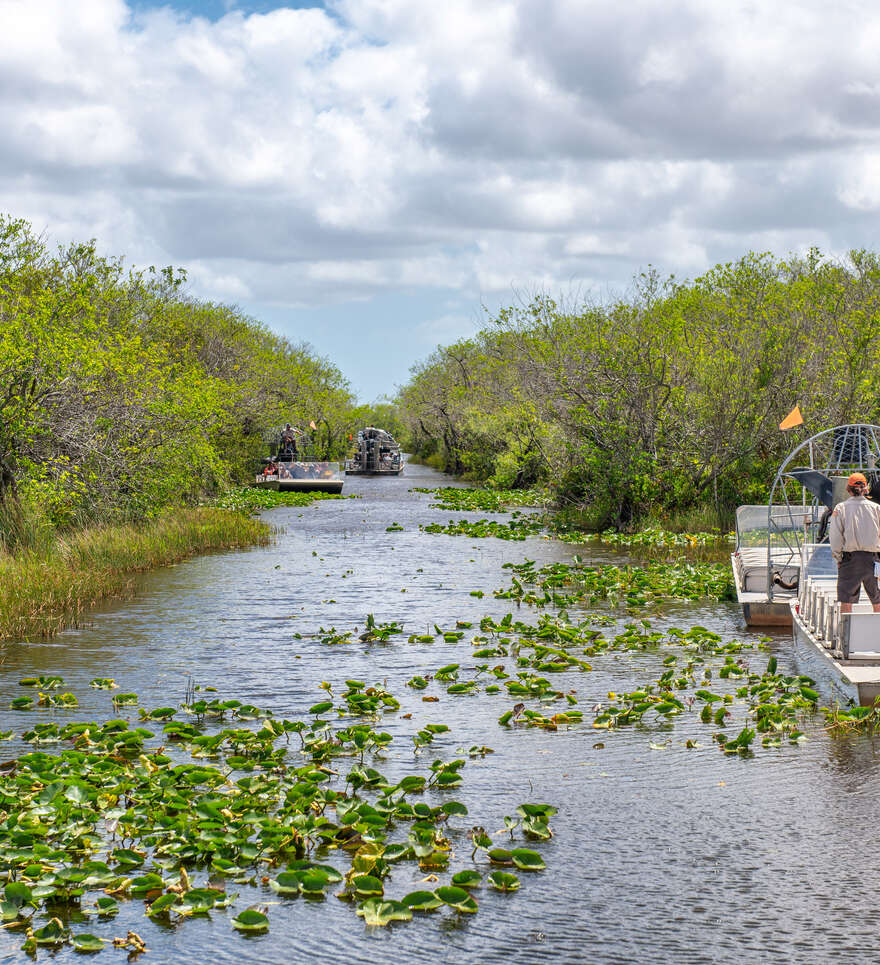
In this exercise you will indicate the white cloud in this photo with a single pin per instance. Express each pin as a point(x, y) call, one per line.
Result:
point(475, 146)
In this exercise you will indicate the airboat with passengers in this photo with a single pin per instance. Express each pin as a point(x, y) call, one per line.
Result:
point(293, 468)
point(774, 540)
point(376, 454)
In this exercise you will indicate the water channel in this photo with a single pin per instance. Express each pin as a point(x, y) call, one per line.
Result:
point(660, 855)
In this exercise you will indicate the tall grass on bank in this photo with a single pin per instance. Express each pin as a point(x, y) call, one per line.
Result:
point(43, 591)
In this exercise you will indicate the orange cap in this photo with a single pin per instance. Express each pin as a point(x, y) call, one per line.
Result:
point(857, 478)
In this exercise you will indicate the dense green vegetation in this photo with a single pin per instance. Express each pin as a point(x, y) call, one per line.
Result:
point(120, 394)
point(664, 403)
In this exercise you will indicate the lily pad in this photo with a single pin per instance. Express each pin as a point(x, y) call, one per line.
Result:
point(376, 912)
point(367, 885)
point(288, 883)
point(251, 920)
point(500, 856)
point(107, 906)
point(467, 879)
point(527, 860)
point(457, 898)
point(503, 880)
point(198, 901)
point(87, 943)
point(51, 933)
point(422, 901)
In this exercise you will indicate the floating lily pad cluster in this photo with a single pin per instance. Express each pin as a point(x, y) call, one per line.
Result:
point(578, 583)
point(461, 499)
point(217, 793)
point(766, 703)
point(250, 499)
point(651, 536)
point(518, 528)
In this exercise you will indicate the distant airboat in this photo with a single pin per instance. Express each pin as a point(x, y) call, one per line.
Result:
point(291, 469)
point(376, 454)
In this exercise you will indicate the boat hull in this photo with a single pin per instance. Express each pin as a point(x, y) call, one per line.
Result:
point(757, 610)
point(303, 477)
point(763, 614)
point(374, 472)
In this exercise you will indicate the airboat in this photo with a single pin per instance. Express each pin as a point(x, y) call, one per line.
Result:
point(785, 574)
point(290, 469)
point(376, 454)
point(767, 562)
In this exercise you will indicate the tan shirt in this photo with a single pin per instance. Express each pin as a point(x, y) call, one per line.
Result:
point(855, 525)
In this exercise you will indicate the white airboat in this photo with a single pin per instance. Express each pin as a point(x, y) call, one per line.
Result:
point(785, 574)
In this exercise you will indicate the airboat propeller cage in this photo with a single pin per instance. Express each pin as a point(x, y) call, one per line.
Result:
point(816, 471)
point(376, 454)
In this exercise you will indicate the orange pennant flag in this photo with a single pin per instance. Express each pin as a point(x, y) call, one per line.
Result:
point(313, 426)
point(794, 418)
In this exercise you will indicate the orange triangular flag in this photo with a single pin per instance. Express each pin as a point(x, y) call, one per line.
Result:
point(794, 418)
point(313, 426)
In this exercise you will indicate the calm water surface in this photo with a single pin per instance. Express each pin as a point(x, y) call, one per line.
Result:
point(668, 855)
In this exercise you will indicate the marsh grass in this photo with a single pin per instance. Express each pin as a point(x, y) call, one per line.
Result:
point(45, 589)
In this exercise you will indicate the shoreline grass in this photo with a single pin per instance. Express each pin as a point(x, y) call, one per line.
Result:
point(42, 593)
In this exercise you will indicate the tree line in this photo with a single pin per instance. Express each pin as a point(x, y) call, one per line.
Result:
point(665, 401)
point(121, 394)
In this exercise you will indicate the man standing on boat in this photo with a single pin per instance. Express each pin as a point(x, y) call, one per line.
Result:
point(854, 535)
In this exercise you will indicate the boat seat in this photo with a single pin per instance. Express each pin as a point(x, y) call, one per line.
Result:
point(860, 636)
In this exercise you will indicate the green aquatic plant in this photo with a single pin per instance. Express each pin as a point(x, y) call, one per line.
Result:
point(252, 499)
point(518, 528)
point(844, 720)
point(650, 536)
point(462, 499)
point(578, 583)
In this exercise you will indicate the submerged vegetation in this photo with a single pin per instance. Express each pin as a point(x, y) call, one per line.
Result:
point(663, 403)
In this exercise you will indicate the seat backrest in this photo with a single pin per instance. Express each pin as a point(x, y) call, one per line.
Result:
point(861, 635)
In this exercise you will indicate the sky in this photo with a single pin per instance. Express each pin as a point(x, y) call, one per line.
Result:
point(374, 176)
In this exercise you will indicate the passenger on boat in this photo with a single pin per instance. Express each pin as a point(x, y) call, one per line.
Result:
point(285, 473)
point(270, 470)
point(854, 535)
point(288, 442)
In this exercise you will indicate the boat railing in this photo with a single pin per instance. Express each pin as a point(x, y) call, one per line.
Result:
point(849, 636)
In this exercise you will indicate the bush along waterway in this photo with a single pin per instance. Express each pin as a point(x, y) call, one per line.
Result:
point(370, 741)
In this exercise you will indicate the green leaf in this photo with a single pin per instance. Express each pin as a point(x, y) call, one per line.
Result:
point(379, 913)
point(18, 893)
point(456, 898)
point(87, 943)
point(288, 883)
point(467, 879)
point(250, 920)
point(527, 860)
point(503, 880)
point(367, 885)
point(422, 901)
point(51, 933)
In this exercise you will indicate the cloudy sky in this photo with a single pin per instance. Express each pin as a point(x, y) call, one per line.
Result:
point(366, 174)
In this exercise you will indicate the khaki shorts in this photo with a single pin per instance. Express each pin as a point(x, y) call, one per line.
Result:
point(854, 571)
